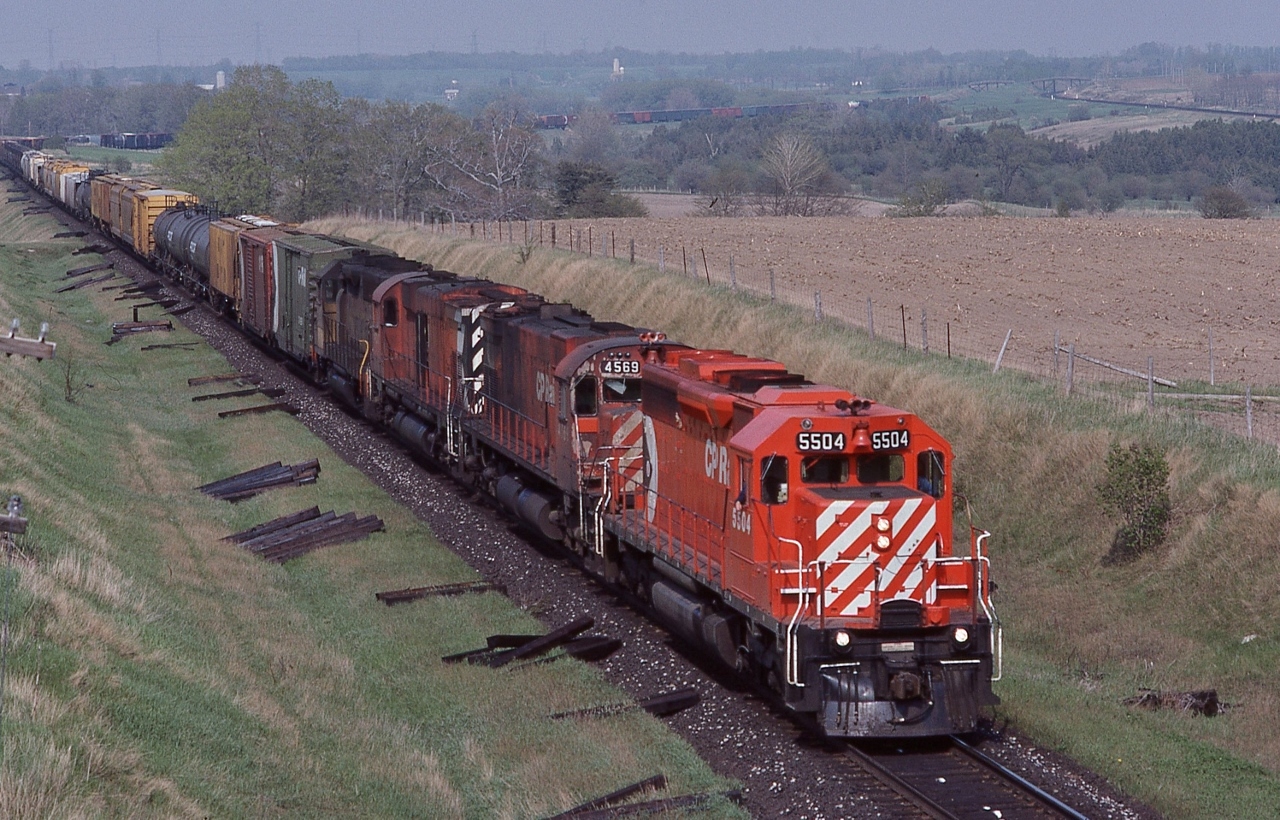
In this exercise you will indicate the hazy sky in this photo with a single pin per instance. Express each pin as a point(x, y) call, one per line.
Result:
point(97, 33)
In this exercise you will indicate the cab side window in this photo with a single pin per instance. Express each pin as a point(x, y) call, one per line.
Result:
point(773, 480)
point(931, 473)
point(584, 396)
point(390, 313)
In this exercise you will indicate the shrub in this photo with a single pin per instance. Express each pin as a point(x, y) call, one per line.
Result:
point(1221, 202)
point(1137, 489)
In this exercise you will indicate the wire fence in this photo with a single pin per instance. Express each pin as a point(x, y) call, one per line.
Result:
point(1049, 355)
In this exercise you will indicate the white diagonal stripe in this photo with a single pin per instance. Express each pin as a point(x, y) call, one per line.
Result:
point(828, 516)
point(855, 529)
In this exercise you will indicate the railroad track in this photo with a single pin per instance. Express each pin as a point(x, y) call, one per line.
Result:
point(955, 781)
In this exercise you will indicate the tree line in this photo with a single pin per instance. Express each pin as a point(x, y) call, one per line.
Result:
point(297, 150)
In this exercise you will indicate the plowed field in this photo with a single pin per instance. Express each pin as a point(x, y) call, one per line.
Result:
point(1121, 288)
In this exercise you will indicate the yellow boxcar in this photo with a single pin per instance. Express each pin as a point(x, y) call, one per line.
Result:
point(147, 205)
point(113, 204)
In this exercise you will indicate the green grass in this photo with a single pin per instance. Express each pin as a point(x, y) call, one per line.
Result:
point(157, 671)
point(1081, 635)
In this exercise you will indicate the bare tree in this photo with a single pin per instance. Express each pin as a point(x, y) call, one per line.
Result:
point(799, 181)
point(486, 170)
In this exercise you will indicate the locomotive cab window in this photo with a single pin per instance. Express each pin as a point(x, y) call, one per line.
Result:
point(773, 480)
point(931, 473)
point(881, 468)
point(622, 390)
point(390, 313)
point(584, 396)
point(832, 469)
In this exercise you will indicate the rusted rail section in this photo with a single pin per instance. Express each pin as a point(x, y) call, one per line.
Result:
point(300, 533)
point(656, 783)
point(663, 705)
point(251, 482)
point(282, 406)
point(400, 596)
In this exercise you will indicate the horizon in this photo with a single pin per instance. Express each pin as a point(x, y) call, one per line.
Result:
point(130, 33)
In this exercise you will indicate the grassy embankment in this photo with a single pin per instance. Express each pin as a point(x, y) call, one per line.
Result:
point(157, 671)
point(1081, 635)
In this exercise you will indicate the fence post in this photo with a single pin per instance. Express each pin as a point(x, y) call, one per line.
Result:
point(1151, 383)
point(817, 306)
point(633, 251)
point(924, 330)
point(1248, 409)
point(684, 260)
point(871, 320)
point(733, 276)
point(590, 243)
point(553, 236)
point(903, 308)
point(705, 267)
point(948, 340)
point(773, 287)
point(1071, 367)
point(1003, 347)
point(1211, 357)
point(662, 260)
point(613, 245)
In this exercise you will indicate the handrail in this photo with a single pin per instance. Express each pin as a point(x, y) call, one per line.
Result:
point(793, 627)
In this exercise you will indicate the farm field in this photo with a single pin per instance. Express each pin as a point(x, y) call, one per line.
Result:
point(1121, 288)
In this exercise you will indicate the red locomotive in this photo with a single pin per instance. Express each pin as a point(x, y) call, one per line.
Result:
point(795, 532)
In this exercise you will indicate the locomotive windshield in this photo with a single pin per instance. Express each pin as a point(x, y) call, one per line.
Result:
point(622, 390)
point(881, 468)
point(824, 469)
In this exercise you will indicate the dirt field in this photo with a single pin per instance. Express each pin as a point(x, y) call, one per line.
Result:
point(1121, 288)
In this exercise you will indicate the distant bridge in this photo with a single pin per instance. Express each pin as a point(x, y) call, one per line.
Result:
point(1051, 85)
point(1047, 85)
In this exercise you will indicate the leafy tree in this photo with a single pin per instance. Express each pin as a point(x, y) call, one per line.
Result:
point(1137, 489)
point(930, 198)
point(586, 190)
point(1221, 202)
point(226, 151)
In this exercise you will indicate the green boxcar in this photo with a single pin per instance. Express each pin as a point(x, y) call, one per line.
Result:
point(298, 262)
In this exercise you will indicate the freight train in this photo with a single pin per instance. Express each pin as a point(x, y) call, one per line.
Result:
point(795, 532)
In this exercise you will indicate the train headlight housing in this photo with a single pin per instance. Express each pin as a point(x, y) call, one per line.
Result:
point(960, 637)
point(842, 640)
point(882, 542)
point(883, 524)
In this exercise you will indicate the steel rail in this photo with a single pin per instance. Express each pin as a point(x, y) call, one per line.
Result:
point(897, 784)
point(1041, 796)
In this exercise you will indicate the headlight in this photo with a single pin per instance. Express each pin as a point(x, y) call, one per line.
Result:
point(961, 636)
point(882, 542)
point(883, 524)
point(842, 639)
